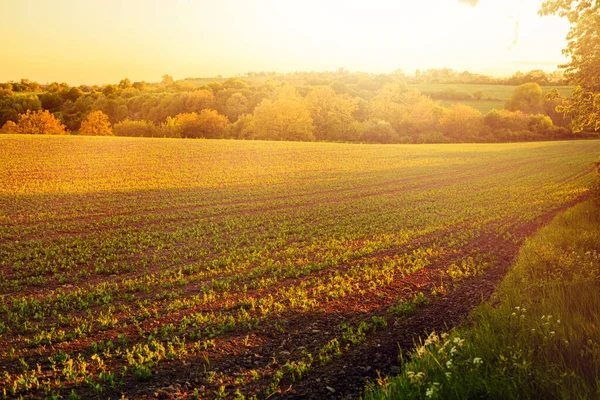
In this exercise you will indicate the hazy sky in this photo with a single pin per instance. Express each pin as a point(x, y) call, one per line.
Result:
point(103, 41)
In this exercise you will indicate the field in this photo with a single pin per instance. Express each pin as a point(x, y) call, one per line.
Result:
point(209, 269)
point(500, 92)
point(494, 96)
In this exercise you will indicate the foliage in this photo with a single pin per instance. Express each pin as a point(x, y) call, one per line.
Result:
point(207, 124)
point(339, 105)
point(139, 128)
point(526, 98)
point(96, 124)
point(287, 118)
point(332, 114)
point(35, 123)
point(583, 69)
point(377, 131)
point(541, 341)
point(461, 123)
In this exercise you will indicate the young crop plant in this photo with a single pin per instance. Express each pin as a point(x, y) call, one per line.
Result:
point(162, 254)
point(404, 309)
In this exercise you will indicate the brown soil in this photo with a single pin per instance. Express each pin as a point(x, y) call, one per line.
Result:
point(286, 336)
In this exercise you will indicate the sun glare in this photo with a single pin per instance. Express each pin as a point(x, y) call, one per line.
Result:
point(142, 40)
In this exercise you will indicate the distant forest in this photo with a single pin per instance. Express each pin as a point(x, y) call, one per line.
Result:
point(329, 106)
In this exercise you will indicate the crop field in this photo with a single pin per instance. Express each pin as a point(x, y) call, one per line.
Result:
point(170, 268)
point(499, 92)
point(494, 96)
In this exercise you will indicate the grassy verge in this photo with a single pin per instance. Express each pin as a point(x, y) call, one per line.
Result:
point(541, 339)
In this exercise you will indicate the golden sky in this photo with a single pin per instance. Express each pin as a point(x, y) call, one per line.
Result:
point(103, 41)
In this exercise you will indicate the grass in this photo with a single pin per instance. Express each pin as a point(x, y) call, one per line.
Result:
point(498, 92)
point(541, 340)
point(483, 106)
point(494, 96)
point(124, 259)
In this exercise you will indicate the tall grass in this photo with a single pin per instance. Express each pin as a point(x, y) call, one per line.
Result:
point(540, 338)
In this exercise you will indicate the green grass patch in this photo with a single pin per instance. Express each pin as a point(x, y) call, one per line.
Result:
point(540, 340)
point(483, 106)
point(500, 92)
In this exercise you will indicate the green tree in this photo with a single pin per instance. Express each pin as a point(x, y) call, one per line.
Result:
point(462, 123)
point(284, 119)
point(206, 124)
point(526, 98)
point(378, 131)
point(583, 49)
point(409, 111)
point(236, 105)
point(167, 81)
point(332, 114)
point(125, 83)
point(136, 128)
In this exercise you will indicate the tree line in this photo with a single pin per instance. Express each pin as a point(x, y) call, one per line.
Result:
point(341, 107)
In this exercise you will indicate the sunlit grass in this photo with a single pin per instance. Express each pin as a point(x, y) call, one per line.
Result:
point(541, 341)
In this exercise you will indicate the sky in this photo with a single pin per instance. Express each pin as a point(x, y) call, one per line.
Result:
point(104, 41)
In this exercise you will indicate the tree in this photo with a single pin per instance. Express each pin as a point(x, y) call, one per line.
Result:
point(526, 98)
point(462, 123)
point(110, 90)
point(583, 69)
point(332, 114)
point(125, 83)
point(378, 131)
point(287, 118)
point(207, 124)
point(35, 123)
point(409, 111)
point(242, 128)
point(96, 124)
point(167, 81)
point(211, 124)
point(236, 105)
point(11, 106)
point(136, 128)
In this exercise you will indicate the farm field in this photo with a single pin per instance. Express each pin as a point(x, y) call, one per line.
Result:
point(177, 268)
point(500, 92)
point(494, 96)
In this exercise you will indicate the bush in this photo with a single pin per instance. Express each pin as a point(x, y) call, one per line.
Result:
point(431, 137)
point(35, 123)
point(96, 124)
point(378, 131)
point(208, 124)
point(140, 128)
point(461, 123)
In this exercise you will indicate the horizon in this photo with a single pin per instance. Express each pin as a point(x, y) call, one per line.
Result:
point(97, 43)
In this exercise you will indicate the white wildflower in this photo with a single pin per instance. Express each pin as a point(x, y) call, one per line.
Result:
point(477, 361)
